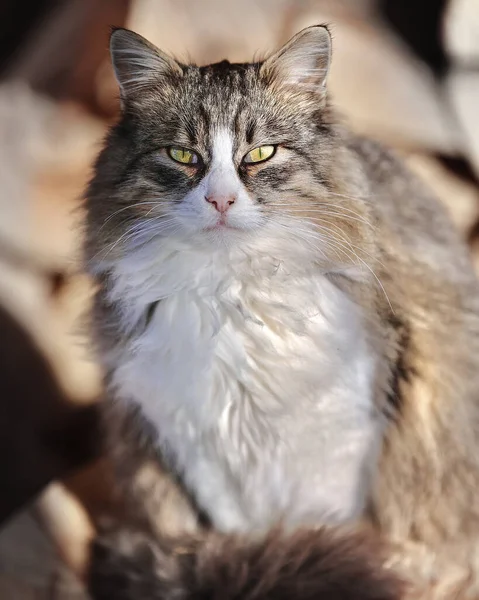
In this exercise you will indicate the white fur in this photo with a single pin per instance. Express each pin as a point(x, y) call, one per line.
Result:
point(222, 179)
point(255, 369)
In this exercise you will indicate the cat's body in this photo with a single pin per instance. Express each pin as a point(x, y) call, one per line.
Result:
point(301, 334)
point(237, 333)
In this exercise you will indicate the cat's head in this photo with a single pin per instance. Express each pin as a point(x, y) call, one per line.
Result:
point(218, 152)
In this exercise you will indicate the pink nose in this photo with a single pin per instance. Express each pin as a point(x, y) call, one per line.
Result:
point(221, 203)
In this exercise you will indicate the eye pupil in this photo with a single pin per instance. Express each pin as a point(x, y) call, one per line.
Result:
point(260, 154)
point(182, 155)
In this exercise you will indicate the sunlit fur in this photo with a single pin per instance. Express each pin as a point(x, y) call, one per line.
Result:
point(252, 361)
point(300, 335)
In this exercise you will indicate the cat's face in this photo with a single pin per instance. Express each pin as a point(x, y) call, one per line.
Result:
point(214, 152)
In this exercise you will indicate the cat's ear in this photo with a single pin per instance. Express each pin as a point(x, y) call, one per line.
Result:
point(137, 62)
point(303, 61)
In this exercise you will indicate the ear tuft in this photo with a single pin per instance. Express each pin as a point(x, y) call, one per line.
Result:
point(303, 61)
point(138, 63)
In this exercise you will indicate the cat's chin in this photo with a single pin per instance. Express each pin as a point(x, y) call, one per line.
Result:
point(226, 230)
point(221, 227)
point(224, 235)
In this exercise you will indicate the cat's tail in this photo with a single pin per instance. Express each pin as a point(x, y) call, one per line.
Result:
point(308, 565)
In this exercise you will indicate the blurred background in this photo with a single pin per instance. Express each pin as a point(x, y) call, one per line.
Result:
point(404, 72)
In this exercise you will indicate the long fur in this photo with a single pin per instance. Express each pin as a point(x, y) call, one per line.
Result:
point(316, 360)
point(320, 565)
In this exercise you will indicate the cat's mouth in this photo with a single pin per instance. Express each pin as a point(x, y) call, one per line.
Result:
point(222, 224)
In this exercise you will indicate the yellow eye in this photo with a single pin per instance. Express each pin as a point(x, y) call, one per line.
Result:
point(183, 155)
point(259, 154)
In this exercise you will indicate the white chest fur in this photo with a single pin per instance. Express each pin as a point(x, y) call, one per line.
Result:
point(258, 379)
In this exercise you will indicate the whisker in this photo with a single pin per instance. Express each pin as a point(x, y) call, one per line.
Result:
point(324, 208)
point(326, 203)
point(325, 242)
point(135, 230)
point(340, 233)
point(172, 231)
point(328, 213)
point(123, 209)
point(344, 249)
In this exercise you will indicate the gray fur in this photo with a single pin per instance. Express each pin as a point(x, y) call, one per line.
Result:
point(421, 306)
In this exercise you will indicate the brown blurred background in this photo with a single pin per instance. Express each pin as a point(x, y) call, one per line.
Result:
point(405, 72)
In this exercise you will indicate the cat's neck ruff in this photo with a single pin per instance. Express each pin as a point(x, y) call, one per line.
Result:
point(250, 363)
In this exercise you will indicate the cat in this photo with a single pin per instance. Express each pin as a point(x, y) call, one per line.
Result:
point(288, 322)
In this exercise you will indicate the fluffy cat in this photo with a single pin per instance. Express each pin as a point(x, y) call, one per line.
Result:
point(288, 322)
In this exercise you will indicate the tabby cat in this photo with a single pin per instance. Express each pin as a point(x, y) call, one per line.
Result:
point(289, 327)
